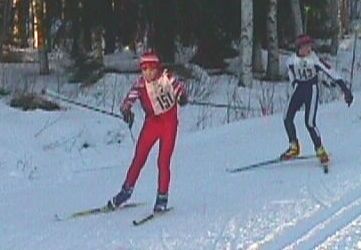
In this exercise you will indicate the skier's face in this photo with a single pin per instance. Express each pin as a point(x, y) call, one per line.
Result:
point(305, 50)
point(149, 71)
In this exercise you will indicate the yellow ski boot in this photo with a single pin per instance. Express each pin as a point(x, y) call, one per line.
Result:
point(322, 155)
point(292, 152)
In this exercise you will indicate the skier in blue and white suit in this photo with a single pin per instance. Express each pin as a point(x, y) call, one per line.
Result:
point(303, 67)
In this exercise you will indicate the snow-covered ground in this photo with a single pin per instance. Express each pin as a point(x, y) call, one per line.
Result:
point(74, 159)
point(62, 162)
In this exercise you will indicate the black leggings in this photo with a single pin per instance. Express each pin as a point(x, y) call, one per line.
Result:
point(303, 94)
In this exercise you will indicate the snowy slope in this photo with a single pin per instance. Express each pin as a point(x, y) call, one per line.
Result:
point(45, 168)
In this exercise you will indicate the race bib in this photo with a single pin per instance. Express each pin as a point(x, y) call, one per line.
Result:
point(161, 94)
point(305, 69)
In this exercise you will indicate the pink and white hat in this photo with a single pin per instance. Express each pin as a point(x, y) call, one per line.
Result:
point(149, 58)
point(302, 40)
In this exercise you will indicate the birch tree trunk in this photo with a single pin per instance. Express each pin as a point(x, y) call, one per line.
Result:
point(272, 40)
point(246, 42)
point(97, 44)
point(297, 17)
point(43, 56)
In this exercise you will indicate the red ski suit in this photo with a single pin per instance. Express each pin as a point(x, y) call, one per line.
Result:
point(159, 102)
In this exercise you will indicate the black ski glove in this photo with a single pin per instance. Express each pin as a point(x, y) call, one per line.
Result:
point(128, 117)
point(347, 92)
point(348, 97)
point(183, 100)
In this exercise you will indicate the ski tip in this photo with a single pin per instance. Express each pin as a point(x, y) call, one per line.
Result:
point(151, 216)
point(135, 223)
point(57, 217)
point(144, 220)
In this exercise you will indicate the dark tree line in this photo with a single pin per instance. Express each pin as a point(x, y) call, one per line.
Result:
point(213, 26)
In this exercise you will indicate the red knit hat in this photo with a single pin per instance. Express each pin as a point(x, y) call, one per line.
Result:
point(149, 58)
point(303, 39)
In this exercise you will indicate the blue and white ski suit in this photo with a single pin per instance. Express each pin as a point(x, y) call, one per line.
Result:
point(303, 75)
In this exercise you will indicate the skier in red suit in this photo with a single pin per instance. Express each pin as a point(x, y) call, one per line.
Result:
point(159, 93)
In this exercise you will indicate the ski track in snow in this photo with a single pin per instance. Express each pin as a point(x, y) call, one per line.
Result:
point(323, 229)
point(344, 238)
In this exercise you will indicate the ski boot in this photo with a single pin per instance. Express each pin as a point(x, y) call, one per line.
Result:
point(322, 155)
point(161, 203)
point(292, 152)
point(120, 198)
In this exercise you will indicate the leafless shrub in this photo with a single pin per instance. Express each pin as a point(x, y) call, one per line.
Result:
point(108, 92)
point(201, 87)
point(236, 109)
point(4, 84)
point(266, 98)
point(204, 118)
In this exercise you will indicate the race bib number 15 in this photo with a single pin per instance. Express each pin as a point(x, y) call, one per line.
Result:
point(161, 95)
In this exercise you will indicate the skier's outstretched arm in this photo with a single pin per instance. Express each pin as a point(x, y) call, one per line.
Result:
point(321, 65)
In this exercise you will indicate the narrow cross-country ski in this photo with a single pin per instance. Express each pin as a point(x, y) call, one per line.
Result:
point(276, 161)
point(151, 217)
point(100, 210)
